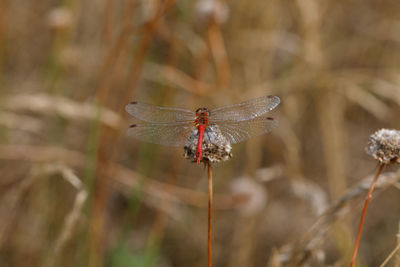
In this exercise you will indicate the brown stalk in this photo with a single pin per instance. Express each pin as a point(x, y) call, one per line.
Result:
point(107, 152)
point(144, 45)
point(108, 22)
point(364, 211)
point(210, 200)
point(3, 13)
point(218, 51)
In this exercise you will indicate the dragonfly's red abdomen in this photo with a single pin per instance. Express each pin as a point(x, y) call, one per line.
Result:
point(201, 123)
point(199, 150)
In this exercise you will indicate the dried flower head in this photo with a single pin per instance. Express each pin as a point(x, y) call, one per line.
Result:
point(216, 147)
point(257, 196)
point(384, 145)
point(60, 18)
point(212, 9)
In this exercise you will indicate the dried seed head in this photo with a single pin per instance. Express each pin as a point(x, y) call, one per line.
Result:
point(384, 145)
point(60, 19)
point(216, 147)
point(257, 195)
point(212, 9)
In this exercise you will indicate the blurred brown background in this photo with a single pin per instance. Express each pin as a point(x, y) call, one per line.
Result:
point(75, 191)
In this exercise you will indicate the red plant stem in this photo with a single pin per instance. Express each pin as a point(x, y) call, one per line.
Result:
point(210, 200)
point(364, 211)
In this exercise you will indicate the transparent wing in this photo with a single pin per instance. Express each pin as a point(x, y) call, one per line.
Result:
point(245, 111)
point(239, 131)
point(156, 114)
point(167, 134)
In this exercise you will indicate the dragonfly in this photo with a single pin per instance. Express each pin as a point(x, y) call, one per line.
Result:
point(173, 126)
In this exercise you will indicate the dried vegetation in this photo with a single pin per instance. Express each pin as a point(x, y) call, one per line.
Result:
point(76, 191)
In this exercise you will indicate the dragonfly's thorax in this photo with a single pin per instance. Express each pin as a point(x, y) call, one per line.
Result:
point(202, 116)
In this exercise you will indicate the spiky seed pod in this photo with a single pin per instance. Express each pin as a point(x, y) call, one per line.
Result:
point(384, 145)
point(216, 147)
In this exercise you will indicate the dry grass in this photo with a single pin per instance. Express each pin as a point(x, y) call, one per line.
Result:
point(68, 69)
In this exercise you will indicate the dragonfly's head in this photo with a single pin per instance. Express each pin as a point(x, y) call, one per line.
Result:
point(202, 112)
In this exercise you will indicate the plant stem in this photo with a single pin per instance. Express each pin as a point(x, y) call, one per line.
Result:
point(364, 211)
point(210, 200)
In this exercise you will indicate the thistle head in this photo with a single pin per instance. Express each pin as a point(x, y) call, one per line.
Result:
point(215, 146)
point(384, 145)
